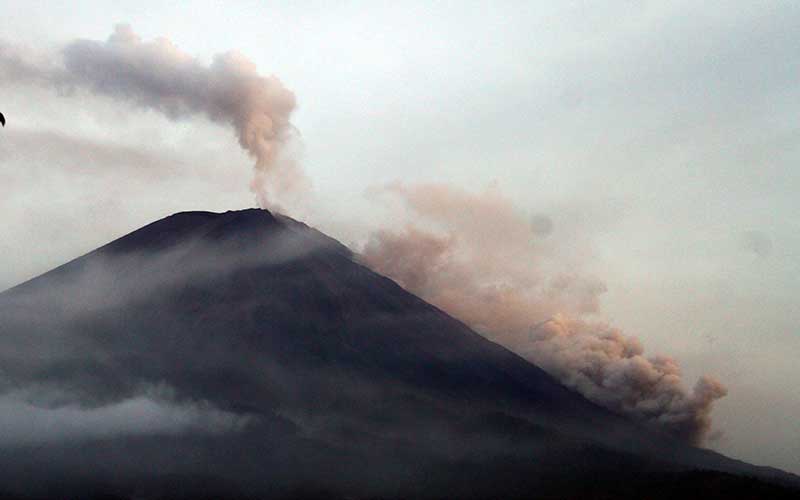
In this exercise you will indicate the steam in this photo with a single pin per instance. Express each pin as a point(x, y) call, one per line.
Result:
point(158, 76)
point(478, 258)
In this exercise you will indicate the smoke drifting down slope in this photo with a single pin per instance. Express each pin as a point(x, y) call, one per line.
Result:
point(158, 76)
point(475, 256)
point(251, 350)
point(482, 262)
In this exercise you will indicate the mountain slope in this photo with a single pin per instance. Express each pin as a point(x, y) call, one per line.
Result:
point(259, 353)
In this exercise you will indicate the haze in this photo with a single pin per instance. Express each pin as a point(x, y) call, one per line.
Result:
point(658, 139)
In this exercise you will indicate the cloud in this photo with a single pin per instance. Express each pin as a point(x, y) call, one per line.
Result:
point(27, 421)
point(45, 150)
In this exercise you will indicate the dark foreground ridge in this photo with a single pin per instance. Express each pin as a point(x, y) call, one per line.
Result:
point(245, 355)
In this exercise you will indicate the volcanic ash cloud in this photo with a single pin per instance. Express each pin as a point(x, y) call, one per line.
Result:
point(478, 258)
point(158, 76)
point(474, 255)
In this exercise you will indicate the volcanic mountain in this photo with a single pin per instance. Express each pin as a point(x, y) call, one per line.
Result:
point(246, 355)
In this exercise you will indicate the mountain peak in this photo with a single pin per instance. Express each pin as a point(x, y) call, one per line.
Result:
point(291, 364)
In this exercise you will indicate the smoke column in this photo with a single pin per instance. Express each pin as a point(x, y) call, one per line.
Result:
point(481, 260)
point(158, 76)
point(474, 255)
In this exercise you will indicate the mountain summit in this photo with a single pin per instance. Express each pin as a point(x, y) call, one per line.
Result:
point(246, 355)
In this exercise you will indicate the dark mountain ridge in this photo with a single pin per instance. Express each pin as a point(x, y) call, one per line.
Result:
point(306, 374)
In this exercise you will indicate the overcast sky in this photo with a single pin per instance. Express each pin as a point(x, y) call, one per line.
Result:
point(662, 137)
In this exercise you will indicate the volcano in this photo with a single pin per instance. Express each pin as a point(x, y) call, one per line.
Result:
point(247, 355)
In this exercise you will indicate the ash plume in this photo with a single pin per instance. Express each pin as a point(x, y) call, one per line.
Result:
point(158, 76)
point(610, 368)
point(477, 257)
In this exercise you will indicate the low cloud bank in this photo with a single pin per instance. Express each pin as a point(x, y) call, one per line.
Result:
point(29, 420)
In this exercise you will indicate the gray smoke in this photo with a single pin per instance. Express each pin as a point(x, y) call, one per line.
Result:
point(158, 76)
point(477, 257)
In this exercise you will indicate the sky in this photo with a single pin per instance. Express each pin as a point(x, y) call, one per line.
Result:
point(660, 139)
